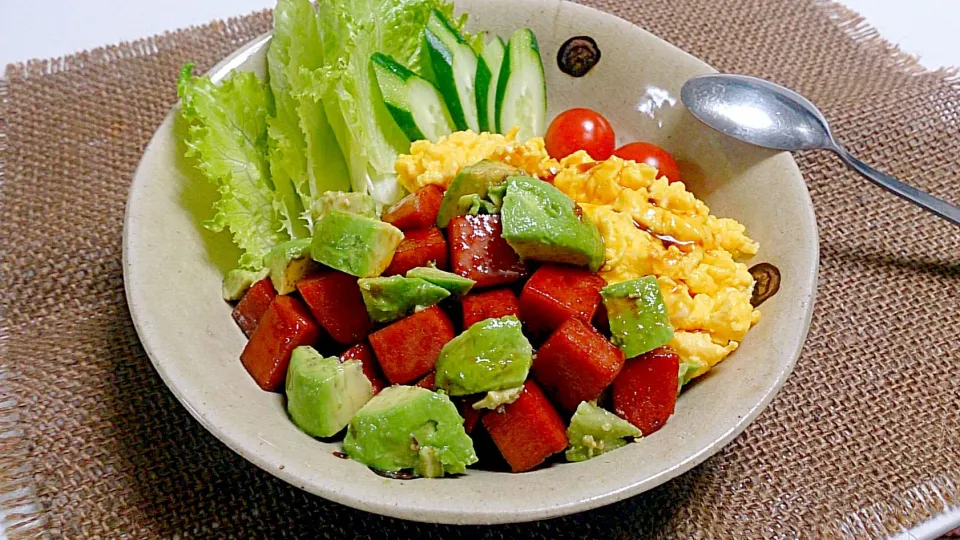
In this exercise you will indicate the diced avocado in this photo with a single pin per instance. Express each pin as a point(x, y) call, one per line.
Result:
point(594, 431)
point(493, 354)
point(454, 283)
point(470, 187)
point(407, 427)
point(638, 317)
point(496, 398)
point(390, 298)
point(357, 245)
point(541, 223)
point(688, 366)
point(238, 280)
point(351, 202)
point(288, 262)
point(323, 394)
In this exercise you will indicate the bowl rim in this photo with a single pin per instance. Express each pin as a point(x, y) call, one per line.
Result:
point(450, 515)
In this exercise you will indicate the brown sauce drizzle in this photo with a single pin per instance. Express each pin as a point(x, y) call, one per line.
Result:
point(767, 277)
point(578, 55)
point(394, 475)
point(341, 455)
point(682, 245)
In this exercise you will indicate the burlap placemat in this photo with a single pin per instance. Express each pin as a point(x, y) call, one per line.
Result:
point(862, 441)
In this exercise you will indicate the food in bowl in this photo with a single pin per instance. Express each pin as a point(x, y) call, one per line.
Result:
point(422, 269)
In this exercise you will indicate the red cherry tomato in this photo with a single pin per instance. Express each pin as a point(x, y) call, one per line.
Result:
point(580, 129)
point(652, 155)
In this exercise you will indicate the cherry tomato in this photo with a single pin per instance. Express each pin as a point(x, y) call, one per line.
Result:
point(580, 129)
point(652, 155)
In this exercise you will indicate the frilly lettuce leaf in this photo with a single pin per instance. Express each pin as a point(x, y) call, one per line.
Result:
point(227, 136)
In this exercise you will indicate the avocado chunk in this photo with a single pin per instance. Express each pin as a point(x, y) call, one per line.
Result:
point(493, 354)
point(238, 280)
point(288, 262)
point(594, 431)
point(497, 398)
point(638, 316)
point(323, 394)
point(688, 366)
point(357, 245)
point(468, 192)
point(453, 283)
point(542, 224)
point(351, 202)
point(390, 298)
point(407, 427)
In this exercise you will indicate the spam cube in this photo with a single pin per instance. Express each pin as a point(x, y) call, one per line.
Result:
point(417, 210)
point(557, 292)
point(645, 392)
point(471, 416)
point(489, 305)
point(420, 247)
point(285, 326)
point(408, 349)
point(527, 431)
point(576, 363)
point(479, 252)
point(429, 382)
point(362, 353)
point(253, 305)
point(334, 299)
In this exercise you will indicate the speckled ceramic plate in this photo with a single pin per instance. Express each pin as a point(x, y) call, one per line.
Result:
point(195, 345)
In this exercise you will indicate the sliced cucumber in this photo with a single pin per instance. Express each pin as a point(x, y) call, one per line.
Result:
point(452, 66)
point(413, 102)
point(488, 72)
point(521, 89)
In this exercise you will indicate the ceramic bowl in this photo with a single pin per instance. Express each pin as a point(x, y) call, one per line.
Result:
point(173, 270)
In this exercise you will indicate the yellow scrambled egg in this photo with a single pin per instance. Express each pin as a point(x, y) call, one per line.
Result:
point(649, 227)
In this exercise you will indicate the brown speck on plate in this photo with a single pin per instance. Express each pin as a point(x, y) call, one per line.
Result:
point(578, 55)
point(394, 475)
point(341, 455)
point(767, 277)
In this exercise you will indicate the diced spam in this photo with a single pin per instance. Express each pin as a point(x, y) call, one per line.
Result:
point(479, 252)
point(408, 349)
point(286, 325)
point(253, 305)
point(364, 354)
point(576, 363)
point(334, 299)
point(417, 210)
point(527, 431)
point(420, 247)
point(557, 292)
point(645, 392)
point(471, 416)
point(491, 304)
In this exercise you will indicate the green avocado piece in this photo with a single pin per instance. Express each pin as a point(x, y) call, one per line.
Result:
point(407, 427)
point(288, 262)
point(542, 224)
point(238, 280)
point(390, 298)
point(493, 354)
point(688, 367)
point(594, 431)
point(351, 202)
point(454, 283)
point(323, 394)
point(638, 317)
point(354, 244)
point(468, 190)
point(496, 398)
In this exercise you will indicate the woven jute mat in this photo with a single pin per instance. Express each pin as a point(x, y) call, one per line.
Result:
point(862, 441)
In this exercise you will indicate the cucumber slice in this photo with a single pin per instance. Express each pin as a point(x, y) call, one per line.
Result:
point(452, 66)
point(488, 73)
point(521, 89)
point(412, 101)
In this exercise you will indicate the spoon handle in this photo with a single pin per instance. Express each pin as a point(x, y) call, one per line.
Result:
point(922, 199)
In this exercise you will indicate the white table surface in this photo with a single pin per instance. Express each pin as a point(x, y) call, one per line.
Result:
point(929, 29)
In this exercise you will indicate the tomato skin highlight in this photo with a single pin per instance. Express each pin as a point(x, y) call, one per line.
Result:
point(652, 155)
point(580, 129)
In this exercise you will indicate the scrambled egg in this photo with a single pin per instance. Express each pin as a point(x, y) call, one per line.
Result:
point(649, 227)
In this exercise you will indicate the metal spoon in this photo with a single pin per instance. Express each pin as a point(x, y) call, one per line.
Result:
point(771, 116)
